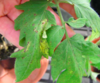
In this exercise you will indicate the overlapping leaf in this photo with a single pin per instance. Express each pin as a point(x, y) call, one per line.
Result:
point(32, 22)
point(70, 61)
point(87, 12)
point(94, 35)
point(55, 35)
point(69, 64)
point(77, 23)
point(83, 10)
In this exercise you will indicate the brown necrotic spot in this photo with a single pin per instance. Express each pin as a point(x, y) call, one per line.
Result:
point(35, 30)
point(31, 61)
point(25, 50)
point(34, 14)
point(22, 57)
point(32, 24)
point(43, 22)
point(28, 42)
point(26, 23)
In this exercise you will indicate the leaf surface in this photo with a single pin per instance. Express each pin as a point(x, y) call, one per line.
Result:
point(83, 10)
point(94, 35)
point(55, 35)
point(68, 65)
point(32, 23)
point(77, 23)
point(90, 14)
point(97, 65)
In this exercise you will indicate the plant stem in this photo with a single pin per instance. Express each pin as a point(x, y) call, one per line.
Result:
point(62, 21)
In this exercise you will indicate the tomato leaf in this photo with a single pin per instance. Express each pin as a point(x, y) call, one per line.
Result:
point(88, 68)
point(94, 35)
point(32, 23)
point(71, 61)
point(55, 35)
point(97, 65)
point(77, 23)
point(95, 59)
point(83, 10)
point(52, 4)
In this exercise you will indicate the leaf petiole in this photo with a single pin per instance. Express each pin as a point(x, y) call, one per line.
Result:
point(62, 21)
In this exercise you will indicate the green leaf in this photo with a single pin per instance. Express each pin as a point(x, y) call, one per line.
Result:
point(32, 23)
point(77, 23)
point(24, 64)
point(95, 59)
point(86, 2)
point(70, 62)
point(88, 68)
point(52, 4)
point(83, 10)
point(97, 65)
point(90, 49)
point(55, 34)
point(89, 1)
point(94, 35)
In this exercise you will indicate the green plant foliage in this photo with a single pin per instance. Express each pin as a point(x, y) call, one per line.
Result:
point(55, 35)
point(94, 35)
point(90, 14)
point(80, 22)
point(83, 10)
point(70, 62)
point(95, 59)
point(32, 23)
point(88, 67)
point(40, 35)
point(97, 65)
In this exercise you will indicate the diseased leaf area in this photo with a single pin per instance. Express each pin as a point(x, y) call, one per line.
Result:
point(32, 23)
point(69, 60)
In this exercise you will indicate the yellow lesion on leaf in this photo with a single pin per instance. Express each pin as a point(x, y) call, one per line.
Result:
point(44, 48)
point(71, 72)
point(28, 45)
